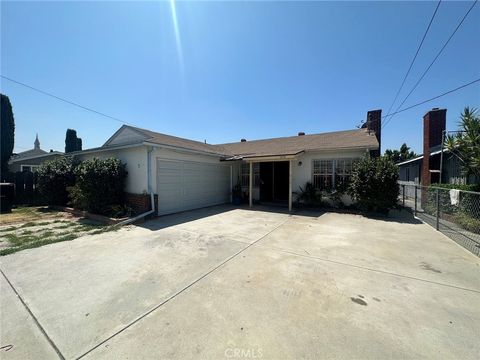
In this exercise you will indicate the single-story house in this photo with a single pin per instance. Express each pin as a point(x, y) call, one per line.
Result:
point(425, 169)
point(182, 174)
point(30, 160)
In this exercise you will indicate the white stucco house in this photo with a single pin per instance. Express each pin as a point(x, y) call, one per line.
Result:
point(178, 174)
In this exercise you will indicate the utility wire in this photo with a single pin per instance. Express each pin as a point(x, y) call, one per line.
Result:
point(431, 64)
point(64, 100)
point(436, 97)
point(414, 58)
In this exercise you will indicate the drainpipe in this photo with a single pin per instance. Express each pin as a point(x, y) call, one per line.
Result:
point(149, 186)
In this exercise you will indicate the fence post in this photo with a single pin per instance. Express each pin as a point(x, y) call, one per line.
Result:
point(403, 194)
point(415, 209)
point(438, 208)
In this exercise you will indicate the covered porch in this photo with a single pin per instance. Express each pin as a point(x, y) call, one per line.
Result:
point(275, 178)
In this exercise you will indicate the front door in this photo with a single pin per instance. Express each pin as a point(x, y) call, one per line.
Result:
point(266, 181)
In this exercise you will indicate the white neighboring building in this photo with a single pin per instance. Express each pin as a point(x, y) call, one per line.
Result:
point(30, 160)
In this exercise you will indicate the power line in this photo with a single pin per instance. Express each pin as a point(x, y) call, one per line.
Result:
point(436, 97)
point(64, 100)
point(434, 60)
point(414, 58)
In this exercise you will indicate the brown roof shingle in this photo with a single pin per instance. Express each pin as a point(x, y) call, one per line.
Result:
point(169, 140)
point(359, 138)
point(294, 144)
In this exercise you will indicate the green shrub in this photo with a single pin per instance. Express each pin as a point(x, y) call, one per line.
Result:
point(374, 184)
point(308, 195)
point(467, 222)
point(99, 185)
point(54, 177)
point(469, 203)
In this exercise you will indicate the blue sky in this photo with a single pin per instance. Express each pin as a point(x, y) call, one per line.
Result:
point(239, 70)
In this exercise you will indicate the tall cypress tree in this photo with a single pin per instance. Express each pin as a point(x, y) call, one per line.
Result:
point(70, 141)
point(7, 129)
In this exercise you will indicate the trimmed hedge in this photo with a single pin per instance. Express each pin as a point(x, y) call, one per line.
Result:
point(99, 186)
point(54, 177)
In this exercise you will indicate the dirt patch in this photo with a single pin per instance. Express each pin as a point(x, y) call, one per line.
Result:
point(62, 227)
point(22, 215)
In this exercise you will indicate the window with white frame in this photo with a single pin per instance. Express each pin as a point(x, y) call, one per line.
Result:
point(245, 174)
point(332, 174)
point(323, 174)
point(32, 168)
point(343, 173)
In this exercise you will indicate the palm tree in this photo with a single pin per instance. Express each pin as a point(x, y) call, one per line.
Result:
point(465, 144)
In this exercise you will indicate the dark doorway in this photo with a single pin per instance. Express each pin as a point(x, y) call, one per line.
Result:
point(274, 181)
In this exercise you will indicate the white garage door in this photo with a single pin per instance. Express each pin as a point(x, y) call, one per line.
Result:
point(186, 185)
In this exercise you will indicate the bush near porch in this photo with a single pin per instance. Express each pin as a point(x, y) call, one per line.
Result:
point(374, 184)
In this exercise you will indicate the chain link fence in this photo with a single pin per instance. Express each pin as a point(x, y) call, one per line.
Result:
point(456, 213)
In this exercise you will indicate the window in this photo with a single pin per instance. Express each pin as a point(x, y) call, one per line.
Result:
point(28, 167)
point(331, 174)
point(323, 174)
point(343, 173)
point(407, 173)
point(245, 174)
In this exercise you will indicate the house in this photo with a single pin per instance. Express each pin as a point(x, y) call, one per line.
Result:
point(31, 159)
point(176, 174)
point(425, 169)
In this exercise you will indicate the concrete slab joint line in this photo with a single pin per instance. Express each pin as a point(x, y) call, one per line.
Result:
point(369, 269)
point(35, 320)
point(182, 290)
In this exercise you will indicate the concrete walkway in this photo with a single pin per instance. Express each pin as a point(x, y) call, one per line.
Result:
point(235, 283)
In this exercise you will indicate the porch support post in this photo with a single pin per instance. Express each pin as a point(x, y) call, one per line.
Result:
point(290, 185)
point(231, 183)
point(250, 186)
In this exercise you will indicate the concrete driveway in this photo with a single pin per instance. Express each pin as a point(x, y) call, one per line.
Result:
point(233, 283)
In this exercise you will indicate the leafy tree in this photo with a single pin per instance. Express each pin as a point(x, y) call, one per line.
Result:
point(400, 155)
point(374, 184)
point(54, 177)
point(72, 142)
point(466, 143)
point(7, 132)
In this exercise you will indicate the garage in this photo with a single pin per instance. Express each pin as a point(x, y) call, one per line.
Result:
point(185, 185)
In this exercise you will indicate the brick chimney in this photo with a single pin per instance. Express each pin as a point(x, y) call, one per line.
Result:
point(374, 125)
point(434, 123)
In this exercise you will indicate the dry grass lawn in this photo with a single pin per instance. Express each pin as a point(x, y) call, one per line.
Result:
point(30, 227)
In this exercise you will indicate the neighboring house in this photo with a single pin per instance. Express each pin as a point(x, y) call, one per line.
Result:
point(185, 174)
point(425, 169)
point(30, 160)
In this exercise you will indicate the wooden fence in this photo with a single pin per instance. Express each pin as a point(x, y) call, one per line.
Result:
point(26, 187)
